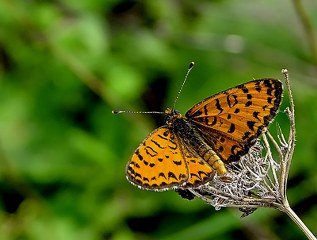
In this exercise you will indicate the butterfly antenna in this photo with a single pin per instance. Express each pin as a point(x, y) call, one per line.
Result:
point(136, 112)
point(190, 67)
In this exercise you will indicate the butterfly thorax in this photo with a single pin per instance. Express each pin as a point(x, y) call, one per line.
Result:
point(186, 132)
point(171, 116)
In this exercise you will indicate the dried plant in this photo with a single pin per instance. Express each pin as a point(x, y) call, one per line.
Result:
point(259, 179)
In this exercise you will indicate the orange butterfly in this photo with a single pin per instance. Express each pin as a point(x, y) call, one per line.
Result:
point(188, 150)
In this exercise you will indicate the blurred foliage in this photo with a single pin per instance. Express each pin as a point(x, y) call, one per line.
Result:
point(64, 65)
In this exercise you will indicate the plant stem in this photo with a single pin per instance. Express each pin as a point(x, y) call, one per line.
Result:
point(287, 209)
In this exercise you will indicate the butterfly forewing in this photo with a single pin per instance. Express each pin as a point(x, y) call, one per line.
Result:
point(163, 162)
point(229, 121)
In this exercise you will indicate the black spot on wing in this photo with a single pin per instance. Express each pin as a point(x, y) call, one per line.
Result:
point(196, 114)
point(136, 175)
point(165, 134)
point(231, 128)
point(269, 91)
point(205, 110)
point(218, 106)
point(172, 175)
point(246, 135)
point(150, 151)
point(237, 110)
point(248, 103)
point(257, 86)
point(220, 149)
point(232, 100)
point(174, 146)
point(251, 125)
point(161, 174)
point(156, 143)
point(137, 152)
point(269, 99)
point(178, 163)
point(243, 88)
point(256, 115)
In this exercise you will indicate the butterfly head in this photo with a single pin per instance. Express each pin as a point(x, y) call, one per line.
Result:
point(171, 116)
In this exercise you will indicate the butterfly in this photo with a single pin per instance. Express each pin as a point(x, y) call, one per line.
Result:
point(189, 149)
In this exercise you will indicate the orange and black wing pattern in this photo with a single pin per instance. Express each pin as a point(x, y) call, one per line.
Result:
point(231, 120)
point(163, 162)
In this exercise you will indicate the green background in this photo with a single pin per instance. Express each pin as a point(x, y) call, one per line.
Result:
point(64, 65)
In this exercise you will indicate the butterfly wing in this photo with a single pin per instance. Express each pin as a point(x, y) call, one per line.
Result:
point(158, 164)
point(231, 120)
point(161, 162)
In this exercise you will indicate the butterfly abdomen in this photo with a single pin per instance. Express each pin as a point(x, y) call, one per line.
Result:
point(193, 140)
